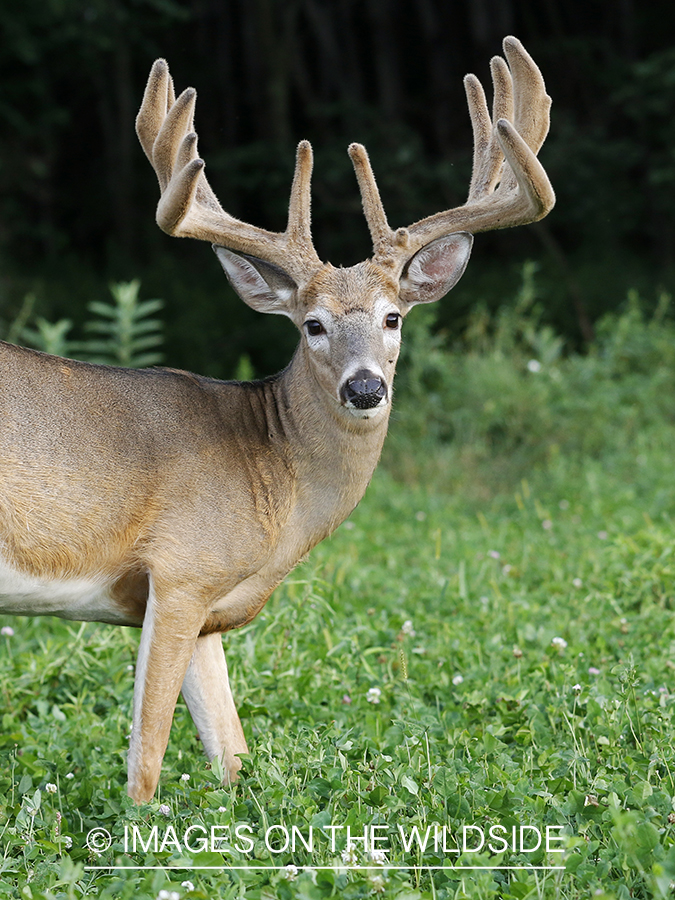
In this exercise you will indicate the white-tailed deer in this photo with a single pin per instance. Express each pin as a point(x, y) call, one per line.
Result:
point(177, 503)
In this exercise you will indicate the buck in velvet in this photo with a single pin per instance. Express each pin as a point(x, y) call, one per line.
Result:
point(177, 503)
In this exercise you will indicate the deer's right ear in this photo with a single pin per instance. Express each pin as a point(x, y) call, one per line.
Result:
point(262, 285)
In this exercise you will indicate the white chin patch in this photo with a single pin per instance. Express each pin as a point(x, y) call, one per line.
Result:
point(372, 413)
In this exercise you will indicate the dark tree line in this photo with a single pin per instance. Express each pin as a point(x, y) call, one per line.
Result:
point(77, 196)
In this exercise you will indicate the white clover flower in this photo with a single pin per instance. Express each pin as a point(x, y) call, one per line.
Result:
point(458, 679)
point(602, 535)
point(7, 631)
point(378, 856)
point(576, 688)
point(592, 670)
point(68, 842)
point(577, 582)
point(547, 524)
point(350, 856)
point(50, 788)
point(188, 885)
point(560, 643)
point(222, 809)
point(377, 883)
point(373, 695)
point(290, 873)
point(407, 628)
point(164, 810)
point(70, 775)
point(495, 554)
point(506, 569)
point(534, 366)
point(185, 777)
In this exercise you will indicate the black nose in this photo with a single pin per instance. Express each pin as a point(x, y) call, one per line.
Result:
point(364, 390)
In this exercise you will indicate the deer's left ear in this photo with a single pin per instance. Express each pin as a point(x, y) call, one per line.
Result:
point(435, 269)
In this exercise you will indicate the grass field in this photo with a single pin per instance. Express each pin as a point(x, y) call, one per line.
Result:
point(448, 668)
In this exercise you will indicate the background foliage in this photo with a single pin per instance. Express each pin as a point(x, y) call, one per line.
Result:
point(488, 640)
point(77, 197)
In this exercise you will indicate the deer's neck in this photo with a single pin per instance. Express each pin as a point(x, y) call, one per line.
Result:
point(334, 453)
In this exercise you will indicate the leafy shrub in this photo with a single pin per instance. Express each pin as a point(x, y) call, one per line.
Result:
point(504, 397)
point(125, 333)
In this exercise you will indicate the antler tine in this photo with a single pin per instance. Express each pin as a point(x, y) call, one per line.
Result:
point(158, 98)
point(386, 243)
point(488, 159)
point(532, 103)
point(373, 209)
point(177, 125)
point(299, 208)
point(508, 185)
point(188, 206)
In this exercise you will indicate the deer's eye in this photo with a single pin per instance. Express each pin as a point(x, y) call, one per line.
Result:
point(392, 321)
point(314, 327)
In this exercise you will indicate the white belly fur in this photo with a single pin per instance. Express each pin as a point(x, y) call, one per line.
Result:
point(82, 599)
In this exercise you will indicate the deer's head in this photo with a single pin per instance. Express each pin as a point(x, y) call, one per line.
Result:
point(350, 319)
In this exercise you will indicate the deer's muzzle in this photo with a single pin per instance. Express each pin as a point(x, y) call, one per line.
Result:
point(364, 390)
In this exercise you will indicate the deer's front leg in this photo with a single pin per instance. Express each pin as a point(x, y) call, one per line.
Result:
point(206, 691)
point(170, 629)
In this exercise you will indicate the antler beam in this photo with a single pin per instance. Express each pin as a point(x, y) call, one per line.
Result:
point(188, 206)
point(508, 186)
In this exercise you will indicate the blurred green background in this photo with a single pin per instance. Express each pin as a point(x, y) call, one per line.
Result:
point(77, 197)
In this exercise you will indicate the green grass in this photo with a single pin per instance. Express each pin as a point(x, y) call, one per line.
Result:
point(485, 716)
